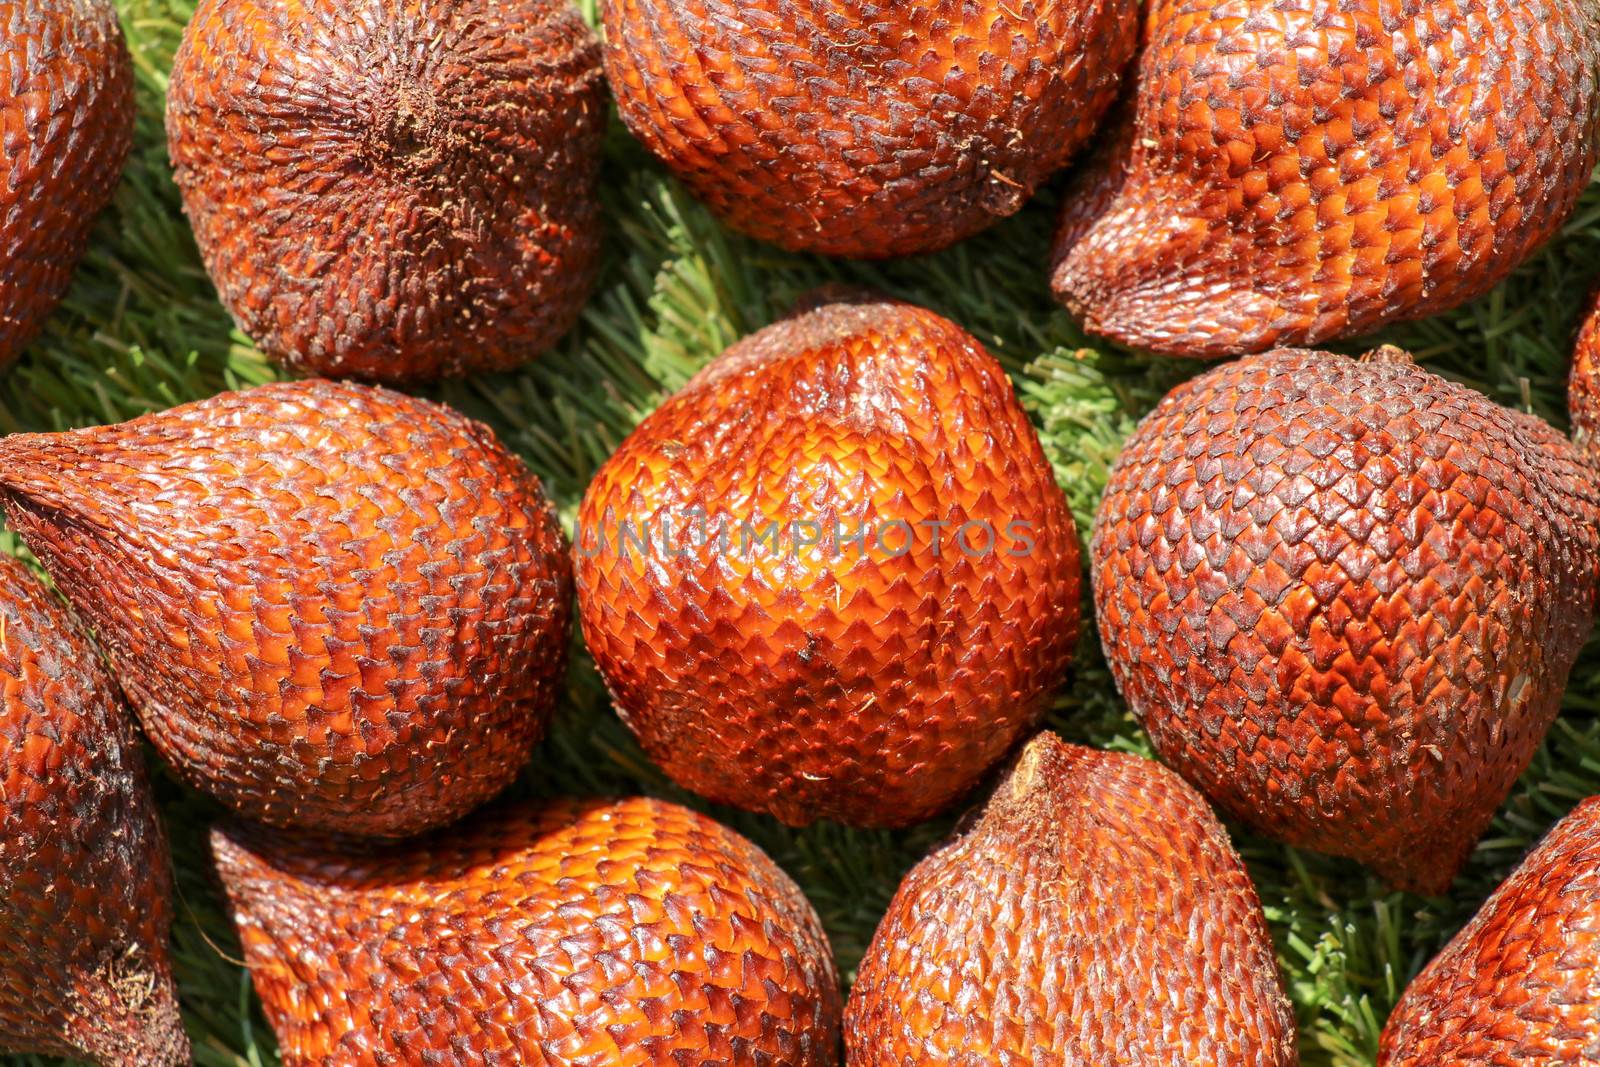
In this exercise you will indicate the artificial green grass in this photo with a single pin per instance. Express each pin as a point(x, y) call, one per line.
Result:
point(142, 330)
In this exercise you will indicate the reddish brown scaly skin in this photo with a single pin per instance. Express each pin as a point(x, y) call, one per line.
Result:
point(871, 129)
point(66, 124)
point(85, 898)
point(332, 606)
point(1300, 170)
point(872, 682)
point(1583, 385)
point(626, 933)
point(1092, 912)
point(1519, 986)
point(392, 191)
point(1344, 597)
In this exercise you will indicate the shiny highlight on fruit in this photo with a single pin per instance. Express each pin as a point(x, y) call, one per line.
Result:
point(393, 192)
point(85, 892)
point(66, 125)
point(1303, 170)
point(1519, 986)
point(1344, 596)
point(627, 933)
point(332, 606)
point(834, 576)
point(868, 129)
point(1092, 912)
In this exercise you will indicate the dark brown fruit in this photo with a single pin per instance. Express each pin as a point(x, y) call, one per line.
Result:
point(1344, 596)
point(333, 606)
point(85, 897)
point(66, 124)
point(871, 681)
point(1299, 170)
point(392, 192)
point(1583, 385)
point(866, 129)
point(1519, 986)
point(1092, 897)
point(626, 933)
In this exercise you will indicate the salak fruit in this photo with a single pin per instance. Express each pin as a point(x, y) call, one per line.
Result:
point(1344, 597)
point(392, 191)
point(66, 125)
point(85, 894)
point(627, 933)
point(332, 606)
point(1092, 912)
point(833, 577)
point(1583, 383)
point(1519, 986)
point(1293, 171)
point(866, 129)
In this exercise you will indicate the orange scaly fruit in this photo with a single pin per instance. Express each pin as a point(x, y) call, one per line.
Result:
point(866, 129)
point(332, 606)
point(628, 933)
point(833, 577)
point(85, 893)
point(1344, 597)
point(1091, 913)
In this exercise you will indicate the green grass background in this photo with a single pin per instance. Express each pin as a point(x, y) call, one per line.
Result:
point(142, 330)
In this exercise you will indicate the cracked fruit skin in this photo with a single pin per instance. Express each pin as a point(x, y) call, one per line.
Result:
point(1090, 896)
point(332, 606)
point(85, 893)
point(1344, 596)
point(871, 682)
point(1519, 986)
point(66, 125)
point(626, 933)
point(1296, 171)
point(392, 192)
point(870, 129)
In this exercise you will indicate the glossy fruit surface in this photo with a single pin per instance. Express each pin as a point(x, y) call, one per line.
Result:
point(392, 191)
point(625, 933)
point(85, 893)
point(332, 606)
point(1091, 912)
point(833, 577)
point(1344, 597)
point(866, 129)
point(1519, 986)
point(1300, 170)
point(66, 124)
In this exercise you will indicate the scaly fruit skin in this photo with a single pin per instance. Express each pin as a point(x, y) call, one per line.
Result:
point(1344, 596)
point(1519, 986)
point(866, 129)
point(66, 125)
point(1302, 170)
point(1090, 897)
point(871, 682)
point(1583, 384)
point(393, 192)
point(625, 933)
point(85, 897)
point(332, 606)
